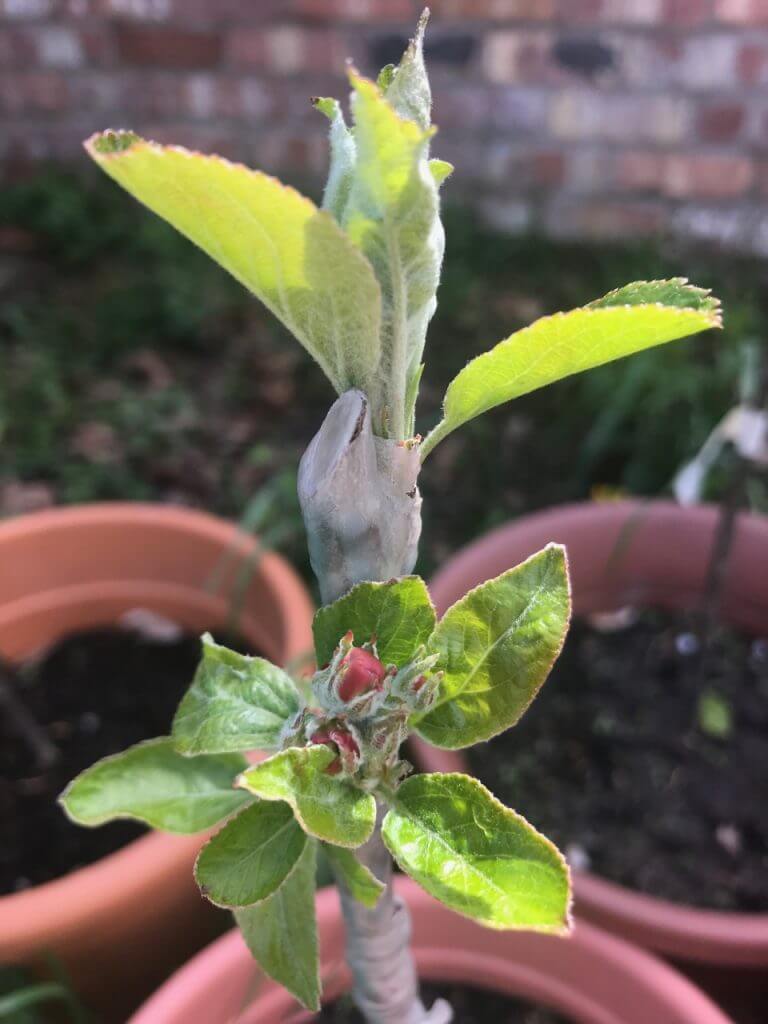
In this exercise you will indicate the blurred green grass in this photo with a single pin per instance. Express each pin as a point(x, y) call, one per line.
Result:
point(132, 367)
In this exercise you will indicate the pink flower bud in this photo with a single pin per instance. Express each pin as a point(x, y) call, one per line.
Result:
point(341, 740)
point(361, 672)
point(345, 741)
point(321, 736)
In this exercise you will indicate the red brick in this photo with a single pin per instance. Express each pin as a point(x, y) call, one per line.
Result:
point(638, 171)
point(742, 12)
point(139, 10)
point(720, 122)
point(278, 150)
point(752, 63)
point(547, 168)
point(25, 8)
point(16, 48)
point(761, 178)
point(527, 167)
point(151, 94)
point(462, 106)
point(495, 10)
point(707, 176)
point(687, 12)
point(158, 46)
point(578, 115)
point(606, 218)
point(684, 175)
point(358, 10)
point(579, 10)
point(633, 12)
point(205, 96)
point(43, 92)
point(522, 55)
point(98, 91)
point(204, 138)
point(288, 49)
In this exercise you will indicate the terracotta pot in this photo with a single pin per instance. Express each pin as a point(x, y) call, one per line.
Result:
point(591, 976)
point(121, 924)
point(634, 553)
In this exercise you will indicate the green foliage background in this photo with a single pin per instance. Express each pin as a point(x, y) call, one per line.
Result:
point(89, 283)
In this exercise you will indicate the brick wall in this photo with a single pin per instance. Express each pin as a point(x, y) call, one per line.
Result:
point(596, 117)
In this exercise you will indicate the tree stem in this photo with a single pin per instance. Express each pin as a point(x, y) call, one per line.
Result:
point(385, 985)
point(362, 512)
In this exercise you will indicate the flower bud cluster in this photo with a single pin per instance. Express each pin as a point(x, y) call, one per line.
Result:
point(361, 709)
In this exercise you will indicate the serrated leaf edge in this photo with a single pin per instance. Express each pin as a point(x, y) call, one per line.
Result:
point(567, 925)
point(552, 546)
point(243, 906)
point(241, 782)
point(154, 741)
point(373, 585)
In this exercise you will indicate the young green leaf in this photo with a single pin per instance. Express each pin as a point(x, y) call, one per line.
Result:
point(440, 170)
point(392, 215)
point(625, 321)
point(399, 614)
point(154, 784)
point(496, 646)
point(360, 880)
point(234, 703)
point(325, 806)
point(675, 292)
point(251, 856)
point(342, 165)
point(406, 88)
point(291, 255)
point(281, 932)
point(451, 835)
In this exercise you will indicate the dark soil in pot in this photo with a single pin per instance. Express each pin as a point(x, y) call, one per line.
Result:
point(93, 694)
point(647, 761)
point(470, 1006)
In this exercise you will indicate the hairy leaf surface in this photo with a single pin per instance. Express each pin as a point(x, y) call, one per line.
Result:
point(451, 835)
point(496, 646)
point(234, 703)
point(630, 319)
point(291, 255)
point(251, 856)
point(360, 880)
point(399, 614)
point(281, 932)
point(155, 784)
point(325, 806)
point(392, 216)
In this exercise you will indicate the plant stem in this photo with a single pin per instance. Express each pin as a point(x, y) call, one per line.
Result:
point(362, 512)
point(385, 986)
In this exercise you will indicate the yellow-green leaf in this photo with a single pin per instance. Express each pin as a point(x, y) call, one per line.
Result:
point(496, 646)
point(276, 242)
point(468, 850)
point(630, 319)
point(251, 856)
point(281, 932)
point(392, 215)
point(360, 880)
point(325, 806)
point(153, 783)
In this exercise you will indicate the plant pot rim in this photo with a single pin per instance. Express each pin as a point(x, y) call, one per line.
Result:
point(153, 859)
point(462, 951)
point(191, 521)
point(708, 936)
